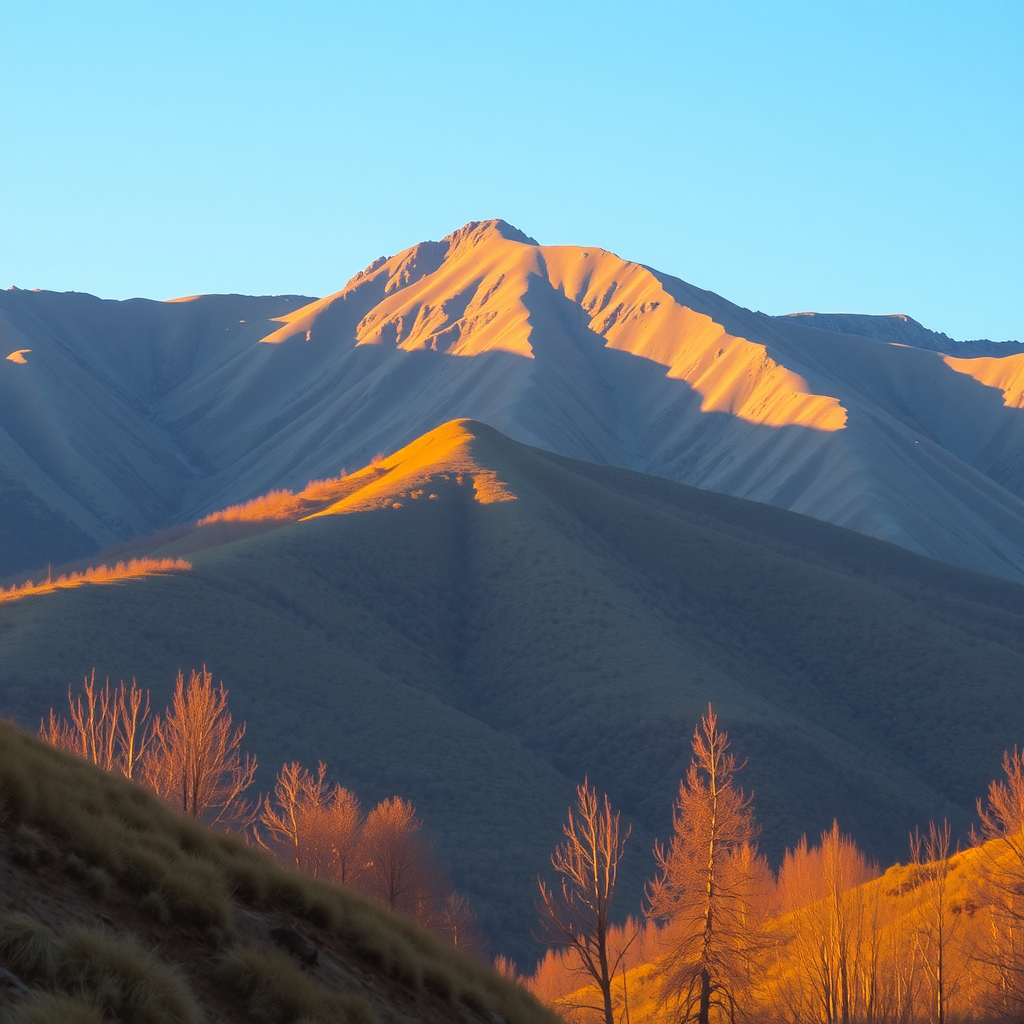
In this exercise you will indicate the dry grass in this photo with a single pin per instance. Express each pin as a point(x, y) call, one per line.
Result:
point(282, 504)
point(277, 991)
point(115, 976)
point(97, 574)
point(53, 1008)
point(29, 948)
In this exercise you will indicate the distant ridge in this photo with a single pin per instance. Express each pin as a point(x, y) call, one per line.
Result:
point(899, 329)
point(128, 417)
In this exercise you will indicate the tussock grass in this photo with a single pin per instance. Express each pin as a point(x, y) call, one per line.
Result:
point(30, 848)
point(29, 947)
point(284, 504)
point(124, 980)
point(52, 1008)
point(116, 976)
point(277, 991)
point(97, 881)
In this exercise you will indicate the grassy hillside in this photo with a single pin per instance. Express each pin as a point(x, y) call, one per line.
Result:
point(115, 909)
point(476, 625)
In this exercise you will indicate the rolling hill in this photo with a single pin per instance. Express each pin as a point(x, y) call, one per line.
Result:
point(120, 418)
point(476, 624)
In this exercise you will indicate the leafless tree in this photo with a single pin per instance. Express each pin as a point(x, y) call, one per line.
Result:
point(106, 726)
point(577, 914)
point(194, 761)
point(1002, 833)
point(938, 925)
point(400, 869)
point(312, 825)
point(831, 950)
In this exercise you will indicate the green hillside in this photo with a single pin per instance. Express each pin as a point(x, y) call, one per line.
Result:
point(521, 620)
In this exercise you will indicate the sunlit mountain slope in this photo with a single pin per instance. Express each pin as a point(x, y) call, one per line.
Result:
point(477, 624)
point(124, 418)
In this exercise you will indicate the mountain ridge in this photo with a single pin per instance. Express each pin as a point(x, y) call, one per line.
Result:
point(565, 347)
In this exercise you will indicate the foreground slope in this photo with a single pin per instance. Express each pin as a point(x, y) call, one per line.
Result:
point(112, 900)
point(569, 348)
point(477, 624)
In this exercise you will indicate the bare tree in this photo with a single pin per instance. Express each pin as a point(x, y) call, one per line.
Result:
point(344, 824)
point(938, 925)
point(313, 826)
point(399, 867)
point(577, 915)
point(105, 726)
point(823, 888)
point(1002, 831)
point(194, 761)
point(703, 887)
point(456, 923)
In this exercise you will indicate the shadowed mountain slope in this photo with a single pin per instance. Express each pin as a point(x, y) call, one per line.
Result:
point(568, 348)
point(477, 624)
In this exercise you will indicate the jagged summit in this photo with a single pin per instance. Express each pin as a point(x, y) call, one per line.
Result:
point(479, 230)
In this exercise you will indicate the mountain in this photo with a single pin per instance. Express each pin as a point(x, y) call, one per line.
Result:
point(477, 624)
point(899, 329)
point(91, 447)
point(125, 417)
point(117, 909)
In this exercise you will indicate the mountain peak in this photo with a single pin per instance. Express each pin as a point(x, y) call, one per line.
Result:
point(477, 231)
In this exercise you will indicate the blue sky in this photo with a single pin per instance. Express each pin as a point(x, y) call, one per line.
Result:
point(827, 155)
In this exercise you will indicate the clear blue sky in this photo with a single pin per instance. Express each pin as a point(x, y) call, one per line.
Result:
point(832, 155)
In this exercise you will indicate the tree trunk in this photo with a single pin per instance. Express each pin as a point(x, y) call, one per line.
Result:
point(705, 996)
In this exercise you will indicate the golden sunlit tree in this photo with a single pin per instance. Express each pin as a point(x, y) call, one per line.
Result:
point(832, 957)
point(312, 825)
point(106, 726)
point(194, 760)
point(399, 866)
point(399, 870)
point(1002, 830)
point(343, 822)
point(706, 887)
point(320, 829)
point(577, 914)
point(937, 924)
